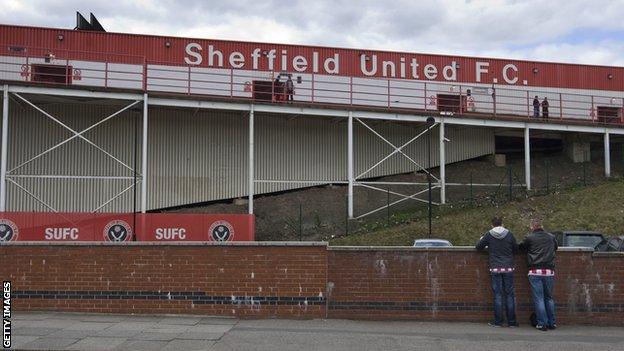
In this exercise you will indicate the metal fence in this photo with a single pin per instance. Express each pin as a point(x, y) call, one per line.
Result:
point(320, 213)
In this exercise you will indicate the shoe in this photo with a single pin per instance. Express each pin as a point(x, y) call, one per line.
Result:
point(552, 327)
point(541, 327)
point(513, 325)
point(492, 324)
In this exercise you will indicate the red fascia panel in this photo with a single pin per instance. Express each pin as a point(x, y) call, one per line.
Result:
point(133, 48)
point(165, 227)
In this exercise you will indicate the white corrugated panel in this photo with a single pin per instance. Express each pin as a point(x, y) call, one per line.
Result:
point(31, 133)
point(196, 156)
point(199, 156)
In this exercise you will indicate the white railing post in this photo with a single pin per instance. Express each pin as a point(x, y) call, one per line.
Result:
point(527, 157)
point(5, 143)
point(350, 163)
point(144, 157)
point(442, 164)
point(251, 159)
point(607, 152)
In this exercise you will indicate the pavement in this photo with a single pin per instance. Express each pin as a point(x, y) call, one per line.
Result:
point(80, 331)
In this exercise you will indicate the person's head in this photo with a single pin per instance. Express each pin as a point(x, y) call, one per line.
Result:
point(535, 224)
point(497, 222)
point(545, 98)
point(536, 97)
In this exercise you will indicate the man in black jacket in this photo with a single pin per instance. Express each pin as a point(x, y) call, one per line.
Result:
point(501, 246)
point(536, 106)
point(545, 105)
point(540, 247)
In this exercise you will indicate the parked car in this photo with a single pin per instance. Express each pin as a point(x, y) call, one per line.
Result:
point(615, 243)
point(578, 238)
point(431, 243)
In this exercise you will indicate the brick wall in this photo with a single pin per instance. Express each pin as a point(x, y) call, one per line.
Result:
point(234, 280)
point(377, 283)
point(290, 280)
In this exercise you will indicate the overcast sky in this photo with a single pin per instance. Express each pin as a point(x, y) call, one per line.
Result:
point(551, 30)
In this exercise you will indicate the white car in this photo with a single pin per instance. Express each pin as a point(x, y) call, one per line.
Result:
point(431, 243)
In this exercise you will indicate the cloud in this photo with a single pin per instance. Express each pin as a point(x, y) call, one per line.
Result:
point(557, 30)
point(607, 52)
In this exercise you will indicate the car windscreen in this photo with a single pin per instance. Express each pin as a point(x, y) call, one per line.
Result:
point(431, 243)
point(584, 240)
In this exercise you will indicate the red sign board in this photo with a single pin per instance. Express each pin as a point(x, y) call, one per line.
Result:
point(120, 227)
point(195, 227)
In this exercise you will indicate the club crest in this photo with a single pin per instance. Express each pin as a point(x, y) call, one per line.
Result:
point(117, 231)
point(221, 231)
point(8, 230)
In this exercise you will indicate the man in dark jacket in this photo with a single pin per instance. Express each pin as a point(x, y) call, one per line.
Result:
point(540, 247)
point(501, 246)
point(545, 105)
point(290, 88)
point(536, 106)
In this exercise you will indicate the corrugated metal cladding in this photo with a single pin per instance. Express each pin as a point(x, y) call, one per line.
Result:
point(197, 156)
point(31, 133)
point(316, 149)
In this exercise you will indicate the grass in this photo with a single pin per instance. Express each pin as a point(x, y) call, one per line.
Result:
point(599, 208)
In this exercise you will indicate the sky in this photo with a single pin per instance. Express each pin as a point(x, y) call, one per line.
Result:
point(590, 32)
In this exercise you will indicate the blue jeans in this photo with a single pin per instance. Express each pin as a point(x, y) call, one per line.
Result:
point(536, 112)
point(542, 291)
point(503, 284)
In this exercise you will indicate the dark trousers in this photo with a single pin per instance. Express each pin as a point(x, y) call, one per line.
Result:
point(542, 292)
point(503, 289)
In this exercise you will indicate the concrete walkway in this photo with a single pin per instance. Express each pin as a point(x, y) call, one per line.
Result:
point(73, 331)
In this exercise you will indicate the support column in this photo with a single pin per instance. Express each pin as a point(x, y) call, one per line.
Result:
point(442, 165)
point(144, 157)
point(251, 159)
point(350, 164)
point(5, 143)
point(527, 158)
point(607, 152)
